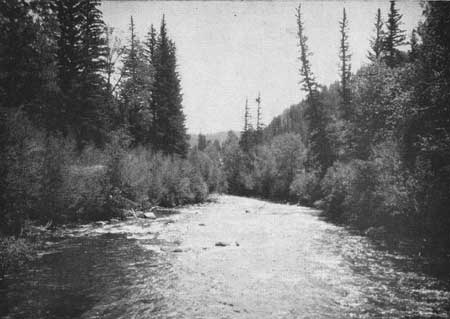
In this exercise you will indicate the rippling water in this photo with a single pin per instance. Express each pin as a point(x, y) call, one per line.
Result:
point(280, 261)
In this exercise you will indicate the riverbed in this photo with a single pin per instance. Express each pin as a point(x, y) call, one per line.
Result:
point(234, 257)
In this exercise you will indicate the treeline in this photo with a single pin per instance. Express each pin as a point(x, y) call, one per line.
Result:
point(372, 149)
point(88, 126)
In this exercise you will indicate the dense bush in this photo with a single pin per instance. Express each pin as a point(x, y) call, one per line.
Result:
point(267, 170)
point(172, 181)
point(336, 187)
point(46, 179)
point(208, 164)
point(21, 169)
point(305, 187)
point(370, 193)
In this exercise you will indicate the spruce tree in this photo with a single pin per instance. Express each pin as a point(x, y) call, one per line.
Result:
point(377, 41)
point(320, 155)
point(26, 54)
point(150, 44)
point(137, 84)
point(246, 139)
point(169, 122)
point(430, 132)
point(81, 57)
point(308, 80)
point(395, 37)
point(345, 66)
point(93, 90)
point(259, 123)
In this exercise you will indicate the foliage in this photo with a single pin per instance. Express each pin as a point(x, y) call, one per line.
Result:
point(376, 42)
point(383, 159)
point(394, 38)
point(305, 187)
point(169, 120)
point(345, 66)
point(136, 92)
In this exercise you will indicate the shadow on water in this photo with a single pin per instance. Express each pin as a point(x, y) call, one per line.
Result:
point(424, 255)
point(399, 274)
point(89, 277)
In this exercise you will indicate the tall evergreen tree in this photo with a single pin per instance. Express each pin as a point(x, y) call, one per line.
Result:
point(259, 124)
point(395, 37)
point(169, 122)
point(150, 44)
point(137, 85)
point(430, 131)
point(93, 89)
point(345, 66)
point(377, 41)
point(308, 80)
point(320, 154)
point(82, 56)
point(246, 140)
point(26, 54)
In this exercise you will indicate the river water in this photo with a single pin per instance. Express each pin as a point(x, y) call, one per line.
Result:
point(279, 261)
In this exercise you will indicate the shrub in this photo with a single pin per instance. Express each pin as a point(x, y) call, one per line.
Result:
point(336, 186)
point(209, 169)
point(305, 187)
point(45, 179)
point(369, 193)
point(180, 184)
point(160, 179)
point(21, 162)
point(54, 200)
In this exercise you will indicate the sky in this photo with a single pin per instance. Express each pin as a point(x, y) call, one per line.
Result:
point(230, 50)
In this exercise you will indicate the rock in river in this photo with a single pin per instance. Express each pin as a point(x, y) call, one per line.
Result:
point(149, 215)
point(222, 244)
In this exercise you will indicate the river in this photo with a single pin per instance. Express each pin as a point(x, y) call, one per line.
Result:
point(278, 261)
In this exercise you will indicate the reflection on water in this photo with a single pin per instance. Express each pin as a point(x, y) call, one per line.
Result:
point(280, 261)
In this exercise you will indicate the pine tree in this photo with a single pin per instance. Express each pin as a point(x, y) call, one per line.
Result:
point(169, 122)
point(131, 60)
point(395, 37)
point(150, 44)
point(136, 91)
point(150, 52)
point(259, 124)
point(247, 134)
point(308, 80)
point(320, 155)
point(26, 55)
point(377, 41)
point(93, 90)
point(345, 67)
point(82, 56)
point(431, 129)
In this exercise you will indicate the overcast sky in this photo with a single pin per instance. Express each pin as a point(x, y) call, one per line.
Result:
point(229, 50)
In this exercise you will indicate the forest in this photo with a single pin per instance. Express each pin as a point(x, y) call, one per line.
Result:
point(91, 127)
point(371, 150)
